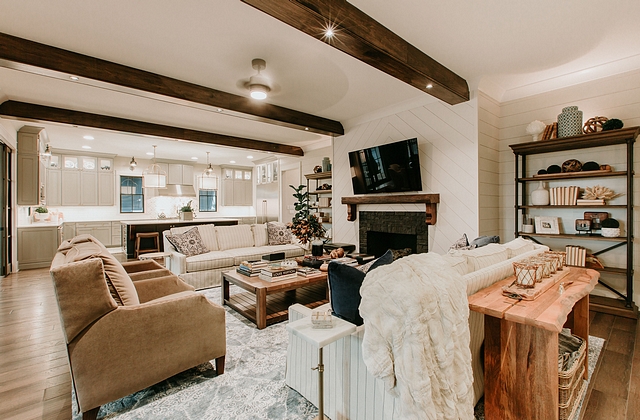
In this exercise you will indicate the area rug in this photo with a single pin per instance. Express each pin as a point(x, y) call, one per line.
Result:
point(252, 386)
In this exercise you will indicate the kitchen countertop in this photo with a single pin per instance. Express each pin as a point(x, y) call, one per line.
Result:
point(41, 225)
point(175, 221)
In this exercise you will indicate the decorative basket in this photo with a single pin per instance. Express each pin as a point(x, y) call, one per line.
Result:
point(571, 384)
point(526, 273)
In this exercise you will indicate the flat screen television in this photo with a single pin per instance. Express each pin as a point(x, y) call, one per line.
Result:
point(393, 167)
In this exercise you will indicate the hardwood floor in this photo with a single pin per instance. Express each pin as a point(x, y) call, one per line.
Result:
point(35, 381)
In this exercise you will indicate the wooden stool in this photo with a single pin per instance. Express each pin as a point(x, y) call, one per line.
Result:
point(141, 235)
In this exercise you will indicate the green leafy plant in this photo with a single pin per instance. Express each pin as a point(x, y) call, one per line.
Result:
point(304, 225)
point(187, 207)
point(42, 209)
point(610, 223)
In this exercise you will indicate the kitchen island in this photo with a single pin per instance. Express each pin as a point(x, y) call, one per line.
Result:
point(131, 227)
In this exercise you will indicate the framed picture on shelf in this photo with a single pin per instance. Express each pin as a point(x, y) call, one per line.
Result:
point(547, 225)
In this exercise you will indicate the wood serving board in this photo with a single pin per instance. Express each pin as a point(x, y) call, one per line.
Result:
point(576, 174)
point(538, 289)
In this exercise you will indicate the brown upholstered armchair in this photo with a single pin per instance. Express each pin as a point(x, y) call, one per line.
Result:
point(131, 325)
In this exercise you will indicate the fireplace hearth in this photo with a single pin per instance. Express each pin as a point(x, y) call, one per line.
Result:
point(381, 230)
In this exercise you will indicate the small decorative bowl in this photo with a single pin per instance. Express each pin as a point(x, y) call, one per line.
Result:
point(610, 232)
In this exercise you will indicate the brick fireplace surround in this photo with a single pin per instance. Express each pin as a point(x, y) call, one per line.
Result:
point(407, 223)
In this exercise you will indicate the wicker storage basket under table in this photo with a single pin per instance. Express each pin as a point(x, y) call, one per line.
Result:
point(571, 385)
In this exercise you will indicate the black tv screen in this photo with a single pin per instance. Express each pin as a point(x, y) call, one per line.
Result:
point(392, 167)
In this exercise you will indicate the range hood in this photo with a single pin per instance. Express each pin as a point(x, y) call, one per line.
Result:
point(175, 190)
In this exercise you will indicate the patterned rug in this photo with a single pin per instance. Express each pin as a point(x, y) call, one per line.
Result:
point(252, 386)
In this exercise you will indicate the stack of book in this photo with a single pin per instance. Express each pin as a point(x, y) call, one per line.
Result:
point(576, 255)
point(564, 196)
point(251, 268)
point(278, 273)
point(346, 260)
point(594, 202)
point(309, 272)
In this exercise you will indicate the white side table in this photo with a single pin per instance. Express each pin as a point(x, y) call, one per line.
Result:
point(320, 338)
point(157, 255)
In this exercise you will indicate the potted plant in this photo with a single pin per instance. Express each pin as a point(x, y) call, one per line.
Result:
point(41, 213)
point(610, 228)
point(304, 225)
point(186, 211)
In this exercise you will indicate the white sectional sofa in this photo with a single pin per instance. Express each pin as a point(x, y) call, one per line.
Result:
point(228, 246)
point(350, 391)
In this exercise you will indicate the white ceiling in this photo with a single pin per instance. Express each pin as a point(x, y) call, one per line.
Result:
point(508, 49)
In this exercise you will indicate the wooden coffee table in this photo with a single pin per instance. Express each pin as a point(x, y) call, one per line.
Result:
point(521, 345)
point(267, 303)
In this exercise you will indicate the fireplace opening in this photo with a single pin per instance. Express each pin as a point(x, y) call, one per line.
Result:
point(379, 242)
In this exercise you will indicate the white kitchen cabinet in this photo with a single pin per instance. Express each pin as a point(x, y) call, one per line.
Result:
point(99, 230)
point(30, 172)
point(237, 187)
point(53, 187)
point(68, 230)
point(180, 174)
point(89, 188)
point(37, 246)
point(70, 188)
point(106, 189)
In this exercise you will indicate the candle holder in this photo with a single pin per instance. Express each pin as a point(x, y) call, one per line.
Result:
point(526, 273)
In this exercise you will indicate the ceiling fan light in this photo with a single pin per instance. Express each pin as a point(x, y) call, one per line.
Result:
point(258, 91)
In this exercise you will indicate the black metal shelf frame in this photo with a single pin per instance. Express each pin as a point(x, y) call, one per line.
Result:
point(603, 139)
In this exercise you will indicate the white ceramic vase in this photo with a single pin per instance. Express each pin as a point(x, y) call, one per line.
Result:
point(540, 196)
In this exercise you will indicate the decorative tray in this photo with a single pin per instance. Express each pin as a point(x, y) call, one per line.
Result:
point(532, 293)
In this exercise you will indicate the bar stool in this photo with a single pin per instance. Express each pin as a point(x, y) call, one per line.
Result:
point(142, 235)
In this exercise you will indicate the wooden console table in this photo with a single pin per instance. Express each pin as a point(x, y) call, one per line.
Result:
point(521, 345)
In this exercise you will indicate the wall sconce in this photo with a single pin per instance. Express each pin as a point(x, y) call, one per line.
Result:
point(133, 164)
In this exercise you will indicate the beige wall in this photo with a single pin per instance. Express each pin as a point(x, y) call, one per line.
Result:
point(448, 142)
point(613, 97)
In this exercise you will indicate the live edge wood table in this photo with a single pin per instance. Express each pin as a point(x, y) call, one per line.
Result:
point(521, 344)
point(267, 303)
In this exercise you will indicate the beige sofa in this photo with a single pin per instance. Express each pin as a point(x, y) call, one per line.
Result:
point(129, 326)
point(350, 391)
point(228, 246)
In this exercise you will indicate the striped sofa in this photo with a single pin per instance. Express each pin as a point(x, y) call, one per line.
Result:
point(228, 246)
point(350, 391)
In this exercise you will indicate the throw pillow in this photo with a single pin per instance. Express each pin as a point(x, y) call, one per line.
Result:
point(462, 243)
point(519, 246)
point(386, 258)
point(481, 241)
point(188, 243)
point(344, 288)
point(279, 233)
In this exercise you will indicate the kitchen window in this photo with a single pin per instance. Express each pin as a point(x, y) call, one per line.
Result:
point(208, 200)
point(131, 194)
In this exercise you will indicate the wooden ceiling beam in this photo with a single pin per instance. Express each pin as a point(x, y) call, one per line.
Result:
point(23, 110)
point(23, 54)
point(365, 39)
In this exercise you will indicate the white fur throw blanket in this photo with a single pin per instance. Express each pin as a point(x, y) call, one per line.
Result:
point(416, 336)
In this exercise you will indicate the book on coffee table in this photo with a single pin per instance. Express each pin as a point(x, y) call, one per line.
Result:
point(278, 273)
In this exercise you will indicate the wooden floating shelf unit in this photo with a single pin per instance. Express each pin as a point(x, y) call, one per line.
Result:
point(430, 200)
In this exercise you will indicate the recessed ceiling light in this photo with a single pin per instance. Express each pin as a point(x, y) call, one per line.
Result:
point(232, 161)
point(306, 129)
point(249, 157)
point(87, 137)
point(150, 153)
point(194, 158)
point(74, 78)
point(86, 147)
point(219, 109)
point(329, 32)
point(429, 85)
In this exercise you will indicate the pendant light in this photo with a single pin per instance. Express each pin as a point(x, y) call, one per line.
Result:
point(47, 151)
point(208, 180)
point(154, 176)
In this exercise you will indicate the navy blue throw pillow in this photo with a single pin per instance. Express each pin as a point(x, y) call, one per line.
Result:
point(344, 286)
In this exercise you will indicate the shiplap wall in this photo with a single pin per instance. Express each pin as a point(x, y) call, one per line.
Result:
point(488, 165)
point(448, 143)
point(613, 97)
